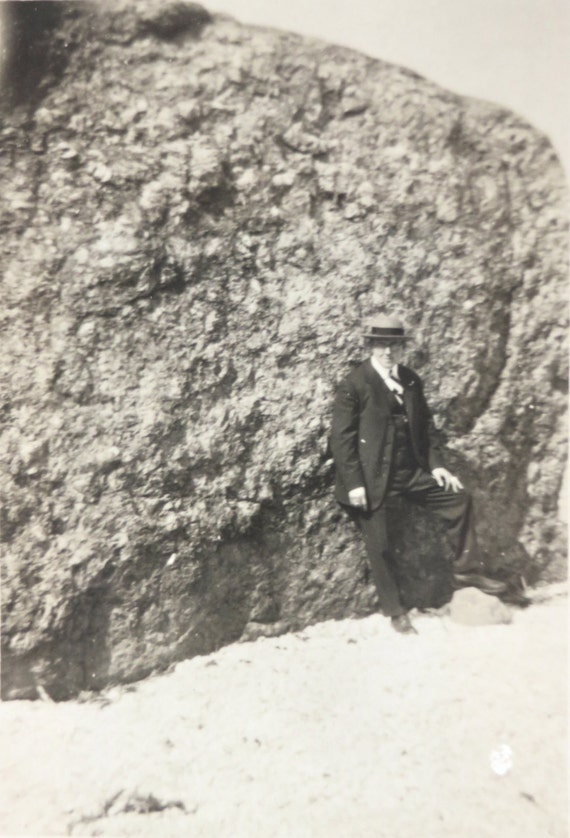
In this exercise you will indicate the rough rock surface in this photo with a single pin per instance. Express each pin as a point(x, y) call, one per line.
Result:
point(195, 218)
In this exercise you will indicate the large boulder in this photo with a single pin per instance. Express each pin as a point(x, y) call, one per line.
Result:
point(196, 217)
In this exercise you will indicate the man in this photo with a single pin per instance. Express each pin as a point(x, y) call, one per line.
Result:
point(383, 446)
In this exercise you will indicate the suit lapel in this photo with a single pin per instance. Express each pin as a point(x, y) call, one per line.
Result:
point(408, 395)
point(382, 394)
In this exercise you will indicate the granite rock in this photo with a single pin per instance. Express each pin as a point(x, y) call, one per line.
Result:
point(196, 217)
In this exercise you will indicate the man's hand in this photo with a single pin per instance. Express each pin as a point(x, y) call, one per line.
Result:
point(357, 497)
point(447, 480)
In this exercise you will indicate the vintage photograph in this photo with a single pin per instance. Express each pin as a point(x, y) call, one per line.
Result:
point(284, 418)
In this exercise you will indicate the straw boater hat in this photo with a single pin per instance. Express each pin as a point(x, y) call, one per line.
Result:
point(385, 327)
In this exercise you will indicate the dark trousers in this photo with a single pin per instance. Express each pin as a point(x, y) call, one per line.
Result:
point(454, 508)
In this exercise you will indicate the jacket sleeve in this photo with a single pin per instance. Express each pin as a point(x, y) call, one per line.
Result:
point(344, 436)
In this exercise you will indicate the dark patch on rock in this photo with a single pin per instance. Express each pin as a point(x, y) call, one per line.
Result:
point(174, 21)
point(36, 50)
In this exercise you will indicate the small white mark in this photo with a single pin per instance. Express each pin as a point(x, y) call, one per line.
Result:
point(502, 760)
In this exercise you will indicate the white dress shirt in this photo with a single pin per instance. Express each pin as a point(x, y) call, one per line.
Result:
point(389, 377)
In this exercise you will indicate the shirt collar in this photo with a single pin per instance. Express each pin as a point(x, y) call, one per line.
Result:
point(383, 371)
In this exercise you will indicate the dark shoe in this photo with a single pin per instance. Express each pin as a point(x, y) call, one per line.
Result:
point(476, 580)
point(402, 624)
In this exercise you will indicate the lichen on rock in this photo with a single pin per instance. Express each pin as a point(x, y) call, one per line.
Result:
point(197, 216)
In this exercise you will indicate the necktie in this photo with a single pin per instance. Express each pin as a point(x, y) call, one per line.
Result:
point(390, 379)
point(394, 383)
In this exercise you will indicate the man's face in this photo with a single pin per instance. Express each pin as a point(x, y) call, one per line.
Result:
point(388, 353)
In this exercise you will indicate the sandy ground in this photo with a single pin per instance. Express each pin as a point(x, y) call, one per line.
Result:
point(345, 729)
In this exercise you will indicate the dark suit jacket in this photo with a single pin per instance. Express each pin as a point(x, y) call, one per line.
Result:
point(362, 435)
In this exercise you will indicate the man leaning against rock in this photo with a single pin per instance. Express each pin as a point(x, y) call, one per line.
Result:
point(383, 446)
